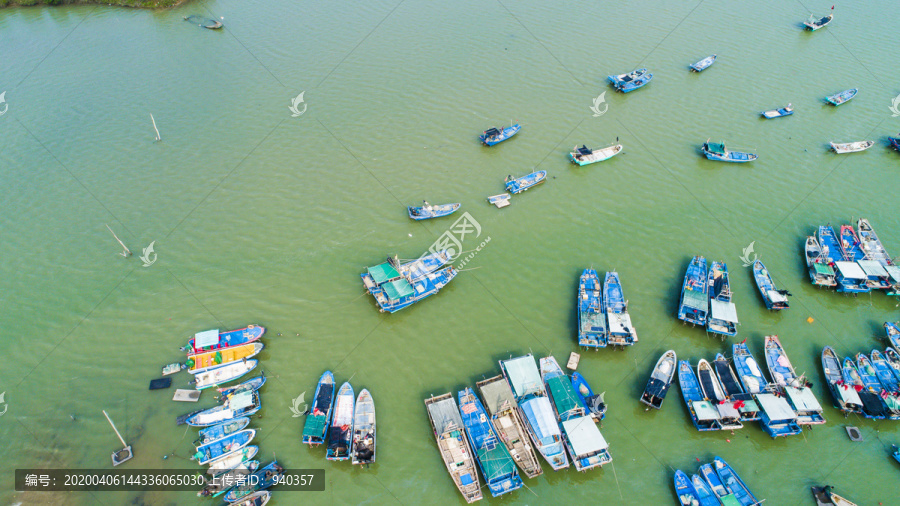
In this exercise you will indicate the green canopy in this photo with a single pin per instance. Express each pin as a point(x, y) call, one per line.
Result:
point(315, 426)
point(823, 269)
point(564, 396)
point(696, 300)
point(383, 272)
point(397, 289)
point(716, 147)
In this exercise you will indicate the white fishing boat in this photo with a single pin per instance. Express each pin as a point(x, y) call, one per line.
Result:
point(224, 373)
point(585, 155)
point(851, 147)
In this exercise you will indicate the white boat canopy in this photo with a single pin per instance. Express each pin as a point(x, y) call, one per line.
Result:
point(725, 311)
point(775, 296)
point(850, 270)
point(706, 411)
point(584, 436)
point(727, 410)
point(894, 272)
point(803, 399)
point(206, 338)
point(523, 375)
point(241, 400)
point(775, 407)
point(848, 394)
point(872, 268)
point(619, 323)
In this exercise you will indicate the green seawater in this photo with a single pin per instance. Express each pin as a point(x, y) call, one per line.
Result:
point(257, 216)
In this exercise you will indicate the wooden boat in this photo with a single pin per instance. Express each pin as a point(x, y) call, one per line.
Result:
point(497, 465)
point(586, 156)
point(660, 380)
point(495, 135)
point(722, 317)
point(508, 424)
point(873, 405)
point(825, 497)
point(536, 409)
point(259, 498)
point(741, 401)
point(212, 340)
point(220, 430)
point(621, 331)
point(802, 400)
point(262, 479)
point(851, 147)
point(340, 433)
point(748, 370)
point(842, 97)
point(319, 417)
point(518, 185)
point(704, 492)
point(886, 374)
point(594, 403)
point(718, 152)
point(774, 298)
point(734, 483)
point(592, 331)
point(777, 113)
point(870, 380)
point(630, 81)
point(251, 384)
point(694, 305)
point(453, 445)
point(396, 285)
point(845, 397)
point(704, 414)
point(780, 367)
point(820, 272)
point(703, 64)
point(712, 479)
point(224, 373)
point(236, 406)
point(233, 461)
point(224, 480)
point(428, 211)
point(213, 359)
point(687, 494)
point(813, 23)
point(224, 447)
point(363, 451)
point(871, 244)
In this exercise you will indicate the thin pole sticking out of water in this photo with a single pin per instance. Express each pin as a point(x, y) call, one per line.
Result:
point(158, 138)
point(617, 480)
point(127, 252)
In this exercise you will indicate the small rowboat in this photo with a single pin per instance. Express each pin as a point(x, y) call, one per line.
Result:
point(172, 368)
point(585, 155)
point(224, 373)
point(717, 151)
point(213, 359)
point(774, 298)
point(495, 135)
point(842, 97)
point(222, 481)
point(825, 497)
point(630, 81)
point(224, 447)
point(428, 211)
point(851, 147)
point(363, 450)
point(262, 479)
point(812, 24)
point(211, 340)
point(703, 64)
point(518, 185)
point(594, 402)
point(777, 113)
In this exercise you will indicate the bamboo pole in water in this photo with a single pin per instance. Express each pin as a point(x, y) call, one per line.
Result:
point(114, 428)
point(127, 252)
point(158, 138)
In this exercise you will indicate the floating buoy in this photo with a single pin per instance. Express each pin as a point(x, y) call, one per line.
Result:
point(727, 440)
point(810, 319)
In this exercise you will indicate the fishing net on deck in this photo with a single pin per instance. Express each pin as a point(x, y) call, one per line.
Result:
point(203, 22)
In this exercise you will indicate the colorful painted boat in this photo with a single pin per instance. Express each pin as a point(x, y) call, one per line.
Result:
point(842, 97)
point(495, 135)
point(748, 370)
point(319, 417)
point(704, 492)
point(224, 480)
point(850, 147)
point(703, 64)
point(660, 380)
point(258, 498)
point(734, 483)
point(594, 403)
point(871, 244)
point(741, 401)
point(428, 211)
point(820, 272)
point(262, 479)
point(803, 401)
point(774, 298)
point(363, 451)
point(508, 424)
point(340, 432)
point(225, 447)
point(453, 445)
point(872, 404)
point(237, 406)
point(850, 246)
point(777, 113)
point(497, 465)
point(592, 330)
point(813, 23)
point(684, 490)
point(718, 152)
point(586, 156)
point(224, 373)
point(694, 305)
point(518, 185)
point(222, 465)
point(212, 340)
point(845, 396)
point(621, 331)
point(631, 80)
point(213, 359)
point(251, 384)
point(396, 285)
point(220, 430)
point(870, 380)
point(722, 317)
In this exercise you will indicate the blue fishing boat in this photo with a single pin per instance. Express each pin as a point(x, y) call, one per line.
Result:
point(802, 400)
point(722, 317)
point(703, 64)
point(872, 404)
point(748, 370)
point(713, 391)
point(262, 479)
point(518, 185)
point(703, 413)
point(818, 264)
point(427, 211)
point(453, 444)
point(220, 430)
point(704, 492)
point(224, 447)
point(694, 304)
point(850, 246)
point(236, 406)
point(813, 23)
point(892, 330)
point(842, 97)
point(896, 453)
point(887, 375)
point(851, 278)
point(870, 380)
point(317, 420)
point(660, 380)
point(871, 244)
point(214, 340)
point(734, 483)
point(594, 402)
point(222, 481)
point(621, 331)
point(251, 385)
point(715, 483)
point(718, 152)
point(845, 397)
point(497, 465)
point(830, 245)
point(495, 135)
point(687, 494)
point(777, 113)
point(777, 417)
point(893, 359)
point(340, 432)
point(773, 297)
point(630, 81)
point(396, 285)
point(536, 410)
point(591, 312)
point(741, 401)
point(507, 421)
point(895, 142)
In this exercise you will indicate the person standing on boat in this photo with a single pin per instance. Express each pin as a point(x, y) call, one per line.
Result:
point(426, 206)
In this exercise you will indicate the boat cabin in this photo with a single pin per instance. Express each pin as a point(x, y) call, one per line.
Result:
point(490, 133)
point(777, 417)
point(588, 447)
point(723, 318)
point(851, 278)
point(621, 331)
point(695, 306)
point(809, 411)
point(894, 279)
point(876, 275)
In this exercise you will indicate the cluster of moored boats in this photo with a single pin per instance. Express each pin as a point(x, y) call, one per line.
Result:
point(343, 423)
point(716, 484)
point(853, 262)
point(706, 298)
point(396, 284)
point(526, 408)
point(603, 317)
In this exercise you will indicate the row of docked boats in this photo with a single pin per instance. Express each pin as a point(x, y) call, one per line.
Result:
point(397, 284)
point(716, 484)
point(216, 358)
point(603, 318)
point(853, 261)
point(525, 411)
point(344, 423)
point(706, 298)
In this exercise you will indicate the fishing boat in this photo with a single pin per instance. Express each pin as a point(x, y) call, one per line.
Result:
point(813, 23)
point(263, 478)
point(220, 448)
point(660, 380)
point(850, 245)
point(221, 430)
point(703, 413)
point(830, 245)
point(450, 434)
point(803, 401)
point(741, 401)
point(224, 373)
point(842, 97)
point(777, 417)
point(172, 368)
point(845, 396)
point(518, 185)
point(497, 465)
point(734, 483)
point(774, 298)
point(893, 360)
point(870, 380)
point(893, 334)
point(319, 416)
point(820, 272)
point(340, 432)
point(259, 498)
point(748, 370)
point(709, 383)
point(703, 64)
point(594, 403)
point(396, 285)
point(715, 483)
point(895, 142)
point(872, 404)
point(777, 113)
point(233, 461)
point(224, 480)
point(886, 374)
point(212, 340)
point(871, 244)
point(684, 489)
point(363, 429)
point(850, 147)
point(621, 331)
point(236, 406)
point(251, 384)
point(877, 276)
point(723, 318)
point(851, 278)
point(427, 211)
point(718, 152)
point(896, 453)
point(825, 497)
point(586, 156)
point(496, 135)
point(630, 81)
point(704, 492)
point(536, 409)
point(694, 305)
point(213, 359)
point(592, 331)
point(508, 424)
